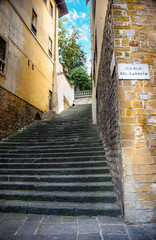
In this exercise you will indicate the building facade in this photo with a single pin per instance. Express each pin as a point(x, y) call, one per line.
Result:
point(124, 99)
point(28, 60)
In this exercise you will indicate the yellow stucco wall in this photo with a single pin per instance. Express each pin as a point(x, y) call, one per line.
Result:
point(24, 50)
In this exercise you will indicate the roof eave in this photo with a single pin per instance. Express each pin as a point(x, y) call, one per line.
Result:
point(62, 7)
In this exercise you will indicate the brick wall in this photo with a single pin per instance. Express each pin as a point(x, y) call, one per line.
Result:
point(14, 113)
point(107, 107)
point(134, 33)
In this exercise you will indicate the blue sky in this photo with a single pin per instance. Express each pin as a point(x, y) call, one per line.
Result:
point(79, 15)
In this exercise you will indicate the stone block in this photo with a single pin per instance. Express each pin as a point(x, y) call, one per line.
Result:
point(128, 160)
point(129, 113)
point(145, 187)
point(128, 136)
point(128, 120)
point(140, 144)
point(128, 151)
point(152, 104)
point(147, 169)
point(125, 42)
point(127, 144)
point(122, 112)
point(126, 129)
point(133, 43)
point(142, 119)
point(140, 159)
point(140, 178)
point(125, 104)
point(137, 104)
point(146, 196)
point(148, 205)
point(141, 152)
point(141, 111)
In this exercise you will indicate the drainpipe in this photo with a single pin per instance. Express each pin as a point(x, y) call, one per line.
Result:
point(92, 27)
point(55, 87)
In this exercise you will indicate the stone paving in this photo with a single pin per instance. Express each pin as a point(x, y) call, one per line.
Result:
point(41, 227)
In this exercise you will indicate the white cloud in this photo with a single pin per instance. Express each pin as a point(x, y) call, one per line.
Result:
point(83, 37)
point(84, 33)
point(75, 15)
point(83, 15)
point(68, 17)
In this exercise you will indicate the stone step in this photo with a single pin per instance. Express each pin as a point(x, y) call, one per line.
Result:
point(79, 197)
point(51, 144)
point(45, 138)
point(57, 178)
point(60, 171)
point(56, 135)
point(51, 150)
point(61, 139)
point(52, 154)
point(44, 159)
point(59, 130)
point(66, 209)
point(55, 165)
point(69, 187)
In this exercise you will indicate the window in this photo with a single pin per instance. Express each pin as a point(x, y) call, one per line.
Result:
point(2, 54)
point(34, 23)
point(51, 9)
point(96, 49)
point(50, 100)
point(50, 47)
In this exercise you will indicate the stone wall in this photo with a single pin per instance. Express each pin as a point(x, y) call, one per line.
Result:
point(134, 33)
point(126, 109)
point(107, 107)
point(14, 113)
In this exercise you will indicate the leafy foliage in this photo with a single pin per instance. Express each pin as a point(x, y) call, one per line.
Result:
point(72, 56)
point(70, 52)
point(80, 78)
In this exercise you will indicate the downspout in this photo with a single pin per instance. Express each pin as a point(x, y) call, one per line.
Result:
point(92, 27)
point(55, 93)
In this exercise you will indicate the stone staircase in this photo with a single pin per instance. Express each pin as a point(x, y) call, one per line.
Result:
point(57, 167)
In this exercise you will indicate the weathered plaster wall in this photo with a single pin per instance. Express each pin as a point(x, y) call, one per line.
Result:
point(64, 90)
point(83, 100)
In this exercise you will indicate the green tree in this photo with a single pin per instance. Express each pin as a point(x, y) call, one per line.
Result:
point(80, 78)
point(71, 54)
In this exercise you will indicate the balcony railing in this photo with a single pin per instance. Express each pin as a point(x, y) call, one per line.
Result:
point(86, 93)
